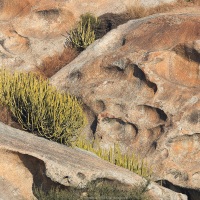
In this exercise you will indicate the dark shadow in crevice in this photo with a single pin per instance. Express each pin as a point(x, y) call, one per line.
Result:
point(154, 145)
point(93, 126)
point(138, 73)
point(120, 121)
point(162, 128)
point(191, 193)
point(135, 127)
point(187, 52)
point(108, 22)
point(38, 171)
point(91, 117)
point(161, 114)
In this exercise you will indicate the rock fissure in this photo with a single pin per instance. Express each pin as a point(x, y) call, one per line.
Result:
point(192, 194)
point(138, 73)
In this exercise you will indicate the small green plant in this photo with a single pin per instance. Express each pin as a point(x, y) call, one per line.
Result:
point(115, 156)
point(84, 34)
point(40, 108)
point(97, 191)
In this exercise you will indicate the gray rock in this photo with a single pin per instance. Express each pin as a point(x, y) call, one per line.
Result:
point(30, 159)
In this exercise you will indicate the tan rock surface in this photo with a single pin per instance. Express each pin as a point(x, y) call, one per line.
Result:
point(142, 82)
point(32, 30)
point(28, 160)
point(15, 175)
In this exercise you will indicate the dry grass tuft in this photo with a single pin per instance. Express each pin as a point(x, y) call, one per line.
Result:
point(138, 11)
point(53, 64)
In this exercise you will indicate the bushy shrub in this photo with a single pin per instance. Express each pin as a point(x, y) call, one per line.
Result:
point(84, 34)
point(115, 156)
point(40, 108)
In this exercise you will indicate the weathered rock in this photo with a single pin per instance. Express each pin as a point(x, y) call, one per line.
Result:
point(27, 160)
point(33, 30)
point(15, 44)
point(142, 82)
point(152, 3)
point(135, 82)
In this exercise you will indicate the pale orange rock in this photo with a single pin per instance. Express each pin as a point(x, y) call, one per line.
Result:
point(142, 82)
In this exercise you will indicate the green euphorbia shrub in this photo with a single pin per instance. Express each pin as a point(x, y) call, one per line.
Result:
point(40, 108)
point(84, 33)
point(115, 156)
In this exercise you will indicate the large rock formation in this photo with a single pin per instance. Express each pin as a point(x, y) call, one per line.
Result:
point(33, 30)
point(142, 82)
point(27, 160)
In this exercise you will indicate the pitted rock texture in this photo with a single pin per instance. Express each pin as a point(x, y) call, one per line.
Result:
point(142, 81)
point(28, 160)
point(32, 30)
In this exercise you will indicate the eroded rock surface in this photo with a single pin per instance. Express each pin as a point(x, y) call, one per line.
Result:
point(142, 81)
point(32, 30)
point(27, 160)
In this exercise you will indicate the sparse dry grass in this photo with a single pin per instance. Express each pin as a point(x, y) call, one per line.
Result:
point(98, 190)
point(53, 64)
point(138, 11)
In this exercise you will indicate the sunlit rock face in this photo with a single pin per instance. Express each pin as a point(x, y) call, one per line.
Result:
point(142, 82)
point(28, 161)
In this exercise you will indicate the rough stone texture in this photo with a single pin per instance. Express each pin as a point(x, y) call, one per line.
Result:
point(142, 81)
point(16, 179)
point(32, 30)
point(152, 3)
point(27, 160)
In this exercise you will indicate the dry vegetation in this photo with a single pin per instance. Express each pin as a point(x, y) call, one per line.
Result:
point(98, 190)
point(53, 64)
point(138, 11)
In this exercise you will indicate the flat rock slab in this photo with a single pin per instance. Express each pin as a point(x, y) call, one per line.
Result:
point(58, 163)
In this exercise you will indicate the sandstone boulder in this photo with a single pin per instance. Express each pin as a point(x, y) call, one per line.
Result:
point(33, 30)
point(142, 82)
point(139, 84)
point(27, 159)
